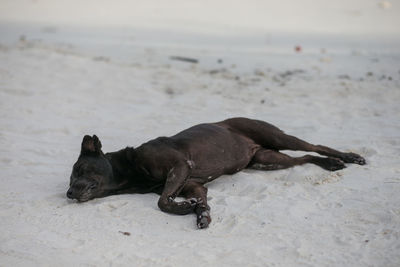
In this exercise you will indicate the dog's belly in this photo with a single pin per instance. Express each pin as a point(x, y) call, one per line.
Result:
point(215, 150)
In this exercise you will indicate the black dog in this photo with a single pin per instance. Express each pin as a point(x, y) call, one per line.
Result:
point(180, 165)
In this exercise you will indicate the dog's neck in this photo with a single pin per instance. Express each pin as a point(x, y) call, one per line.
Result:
point(120, 164)
point(127, 177)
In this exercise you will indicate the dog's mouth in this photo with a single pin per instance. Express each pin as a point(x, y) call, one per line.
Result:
point(83, 197)
point(84, 191)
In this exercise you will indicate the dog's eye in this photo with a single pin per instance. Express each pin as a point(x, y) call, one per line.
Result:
point(93, 186)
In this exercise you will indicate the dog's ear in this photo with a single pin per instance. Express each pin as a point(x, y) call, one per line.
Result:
point(91, 145)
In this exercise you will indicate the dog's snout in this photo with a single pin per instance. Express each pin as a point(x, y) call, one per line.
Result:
point(70, 194)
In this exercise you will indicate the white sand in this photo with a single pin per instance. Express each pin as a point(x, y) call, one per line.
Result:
point(60, 82)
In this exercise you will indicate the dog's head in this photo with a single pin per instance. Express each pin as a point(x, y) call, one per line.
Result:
point(92, 172)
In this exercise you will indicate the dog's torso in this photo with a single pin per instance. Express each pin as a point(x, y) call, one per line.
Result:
point(210, 150)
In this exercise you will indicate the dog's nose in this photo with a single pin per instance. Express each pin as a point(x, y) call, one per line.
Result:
point(69, 193)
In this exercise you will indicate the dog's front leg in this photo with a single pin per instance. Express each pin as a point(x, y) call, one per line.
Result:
point(176, 179)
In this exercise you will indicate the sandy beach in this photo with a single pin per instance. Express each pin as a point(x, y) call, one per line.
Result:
point(112, 72)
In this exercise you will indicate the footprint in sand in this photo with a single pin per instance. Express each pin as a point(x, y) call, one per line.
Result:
point(261, 193)
point(325, 179)
point(228, 224)
point(246, 191)
point(221, 201)
point(111, 206)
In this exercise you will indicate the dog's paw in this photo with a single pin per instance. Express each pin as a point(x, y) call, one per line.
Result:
point(335, 164)
point(203, 219)
point(181, 208)
point(353, 158)
point(330, 164)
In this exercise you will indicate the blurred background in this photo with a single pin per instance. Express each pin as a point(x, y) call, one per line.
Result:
point(125, 30)
point(356, 17)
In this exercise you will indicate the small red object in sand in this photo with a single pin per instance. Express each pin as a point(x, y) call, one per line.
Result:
point(297, 48)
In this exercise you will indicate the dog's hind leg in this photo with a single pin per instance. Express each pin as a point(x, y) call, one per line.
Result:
point(271, 137)
point(288, 142)
point(198, 191)
point(266, 159)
